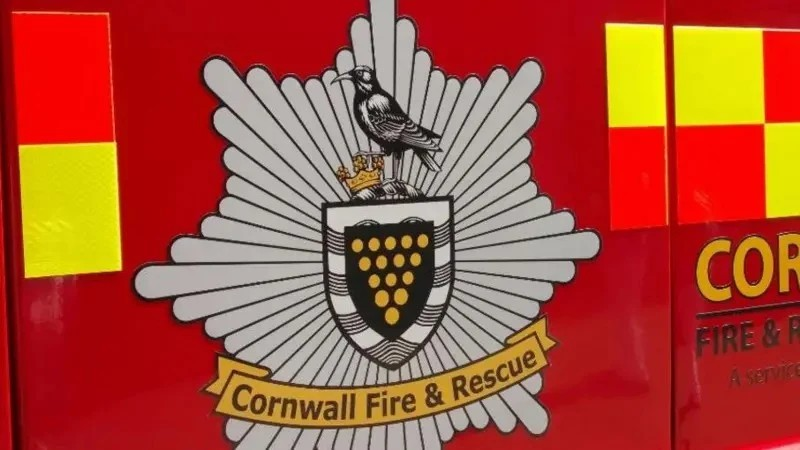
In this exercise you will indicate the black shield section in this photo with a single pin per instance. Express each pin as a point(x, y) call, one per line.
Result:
point(389, 270)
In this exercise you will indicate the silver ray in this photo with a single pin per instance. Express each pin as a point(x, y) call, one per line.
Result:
point(514, 318)
point(356, 374)
point(577, 246)
point(345, 61)
point(406, 35)
point(502, 147)
point(235, 429)
point(237, 319)
point(467, 96)
point(325, 377)
point(198, 306)
point(266, 89)
point(531, 212)
point(362, 435)
point(296, 95)
point(382, 18)
point(325, 98)
point(473, 284)
point(304, 350)
point(204, 250)
point(361, 39)
point(497, 192)
point(254, 342)
point(163, 281)
point(525, 406)
point(338, 95)
point(223, 228)
point(516, 93)
point(411, 428)
point(443, 115)
point(395, 436)
point(432, 435)
point(555, 271)
point(495, 85)
point(520, 228)
point(466, 351)
point(280, 186)
point(238, 209)
point(300, 368)
point(475, 411)
point(504, 167)
point(445, 422)
point(519, 198)
point(378, 436)
point(433, 97)
point(252, 125)
point(309, 366)
point(267, 201)
point(419, 86)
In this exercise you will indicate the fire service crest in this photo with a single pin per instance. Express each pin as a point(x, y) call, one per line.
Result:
point(377, 263)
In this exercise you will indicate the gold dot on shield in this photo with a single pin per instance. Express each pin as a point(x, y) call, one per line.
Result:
point(382, 299)
point(401, 296)
point(408, 278)
point(357, 245)
point(391, 279)
point(381, 262)
point(390, 243)
point(406, 241)
point(374, 281)
point(391, 316)
point(416, 259)
point(399, 260)
point(374, 244)
point(422, 240)
point(364, 264)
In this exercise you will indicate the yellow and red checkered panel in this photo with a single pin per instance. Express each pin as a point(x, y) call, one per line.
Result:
point(637, 114)
point(737, 116)
point(67, 151)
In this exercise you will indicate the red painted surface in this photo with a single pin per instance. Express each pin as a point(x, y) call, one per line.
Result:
point(637, 177)
point(781, 71)
point(720, 173)
point(709, 413)
point(100, 369)
point(6, 410)
point(55, 56)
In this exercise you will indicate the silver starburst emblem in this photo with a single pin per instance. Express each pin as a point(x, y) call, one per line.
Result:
point(329, 287)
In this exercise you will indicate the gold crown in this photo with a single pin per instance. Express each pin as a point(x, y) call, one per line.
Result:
point(368, 172)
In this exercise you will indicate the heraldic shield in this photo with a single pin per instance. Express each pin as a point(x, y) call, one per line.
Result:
point(388, 273)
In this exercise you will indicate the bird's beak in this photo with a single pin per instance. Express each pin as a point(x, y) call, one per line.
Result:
point(342, 77)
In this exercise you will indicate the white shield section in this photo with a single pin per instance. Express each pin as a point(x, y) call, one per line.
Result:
point(394, 353)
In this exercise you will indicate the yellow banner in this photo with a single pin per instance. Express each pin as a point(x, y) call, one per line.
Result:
point(246, 392)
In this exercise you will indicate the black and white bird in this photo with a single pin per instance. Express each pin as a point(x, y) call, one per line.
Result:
point(384, 121)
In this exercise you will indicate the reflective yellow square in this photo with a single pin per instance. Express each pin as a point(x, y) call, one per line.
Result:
point(719, 76)
point(70, 209)
point(782, 160)
point(636, 75)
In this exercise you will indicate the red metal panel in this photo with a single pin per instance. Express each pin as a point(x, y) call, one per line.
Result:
point(6, 412)
point(62, 78)
point(782, 69)
point(712, 185)
point(6, 409)
point(713, 409)
point(100, 369)
point(637, 176)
